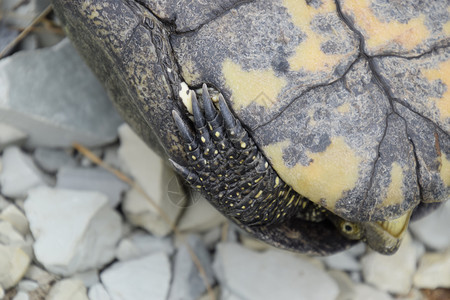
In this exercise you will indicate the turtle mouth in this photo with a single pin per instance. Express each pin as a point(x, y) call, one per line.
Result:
point(386, 236)
point(397, 227)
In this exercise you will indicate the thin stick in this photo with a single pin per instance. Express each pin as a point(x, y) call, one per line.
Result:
point(95, 159)
point(26, 31)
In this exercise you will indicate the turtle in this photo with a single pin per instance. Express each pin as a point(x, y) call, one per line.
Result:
point(312, 124)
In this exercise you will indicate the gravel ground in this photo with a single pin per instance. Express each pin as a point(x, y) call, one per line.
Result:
point(72, 230)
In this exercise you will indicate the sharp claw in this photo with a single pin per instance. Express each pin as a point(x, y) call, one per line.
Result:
point(199, 121)
point(189, 176)
point(210, 110)
point(182, 127)
point(228, 117)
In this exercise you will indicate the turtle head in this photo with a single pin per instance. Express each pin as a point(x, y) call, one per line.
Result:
point(384, 237)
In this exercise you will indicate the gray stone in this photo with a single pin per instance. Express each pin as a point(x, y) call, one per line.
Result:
point(391, 273)
point(270, 275)
point(19, 173)
point(141, 244)
point(7, 35)
point(51, 95)
point(50, 160)
point(187, 282)
point(74, 230)
point(10, 136)
point(92, 179)
point(433, 230)
point(147, 277)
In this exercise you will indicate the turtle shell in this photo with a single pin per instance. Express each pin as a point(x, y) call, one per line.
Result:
point(348, 100)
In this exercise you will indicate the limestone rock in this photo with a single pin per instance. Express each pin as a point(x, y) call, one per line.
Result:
point(74, 230)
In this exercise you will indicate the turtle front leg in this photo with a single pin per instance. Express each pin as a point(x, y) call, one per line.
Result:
point(226, 166)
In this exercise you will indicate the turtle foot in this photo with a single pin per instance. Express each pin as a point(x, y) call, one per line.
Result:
point(227, 167)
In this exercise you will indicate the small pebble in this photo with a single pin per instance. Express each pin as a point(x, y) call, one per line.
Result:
point(16, 218)
point(14, 263)
point(68, 289)
point(19, 174)
point(141, 244)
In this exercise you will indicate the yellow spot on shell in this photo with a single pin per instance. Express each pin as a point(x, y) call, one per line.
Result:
point(243, 145)
point(217, 134)
point(380, 34)
point(445, 169)
point(441, 73)
point(309, 55)
point(395, 189)
point(256, 86)
point(258, 194)
point(330, 173)
point(344, 108)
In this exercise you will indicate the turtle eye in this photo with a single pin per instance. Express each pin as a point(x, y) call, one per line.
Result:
point(348, 228)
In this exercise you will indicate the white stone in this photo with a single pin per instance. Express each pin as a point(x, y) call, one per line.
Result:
point(16, 218)
point(391, 273)
point(39, 275)
point(9, 235)
point(270, 275)
point(68, 289)
point(2, 292)
point(153, 175)
point(433, 271)
point(98, 292)
point(143, 278)
point(212, 237)
point(74, 231)
point(13, 265)
point(27, 285)
point(342, 261)
point(21, 295)
point(433, 230)
point(19, 174)
point(92, 179)
point(51, 95)
point(201, 216)
point(345, 284)
point(367, 292)
point(10, 136)
point(141, 244)
point(187, 283)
